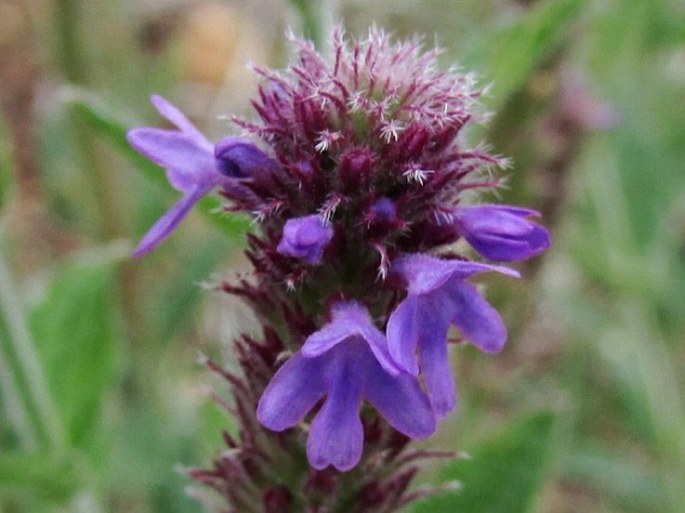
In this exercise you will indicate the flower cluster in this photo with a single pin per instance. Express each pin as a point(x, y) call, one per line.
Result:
point(356, 174)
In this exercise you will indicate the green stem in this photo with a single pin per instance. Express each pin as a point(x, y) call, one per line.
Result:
point(15, 412)
point(24, 370)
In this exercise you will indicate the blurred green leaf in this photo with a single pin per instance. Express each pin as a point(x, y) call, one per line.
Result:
point(74, 330)
point(508, 57)
point(617, 476)
point(502, 475)
point(183, 291)
point(43, 475)
point(310, 19)
point(103, 120)
point(33, 419)
point(146, 448)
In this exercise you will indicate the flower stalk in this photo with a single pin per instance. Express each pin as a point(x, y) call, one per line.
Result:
point(357, 173)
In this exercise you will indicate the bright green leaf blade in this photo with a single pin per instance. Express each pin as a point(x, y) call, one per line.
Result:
point(509, 57)
point(503, 474)
point(75, 334)
point(101, 118)
point(42, 475)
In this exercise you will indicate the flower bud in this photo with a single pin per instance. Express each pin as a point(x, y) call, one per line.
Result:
point(237, 158)
point(305, 238)
point(501, 232)
point(355, 168)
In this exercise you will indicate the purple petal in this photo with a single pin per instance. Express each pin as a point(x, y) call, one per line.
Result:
point(238, 158)
point(351, 320)
point(432, 315)
point(462, 270)
point(422, 272)
point(478, 321)
point(505, 249)
point(326, 338)
point(336, 436)
point(510, 209)
point(401, 402)
point(292, 392)
point(437, 374)
point(168, 222)
point(175, 116)
point(305, 237)
point(425, 274)
point(379, 347)
point(496, 218)
point(187, 162)
point(502, 232)
point(403, 334)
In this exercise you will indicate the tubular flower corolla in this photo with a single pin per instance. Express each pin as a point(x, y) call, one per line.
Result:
point(193, 165)
point(305, 238)
point(502, 232)
point(438, 296)
point(346, 361)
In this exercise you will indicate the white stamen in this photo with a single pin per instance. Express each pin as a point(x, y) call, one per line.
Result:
point(416, 174)
point(326, 138)
point(391, 130)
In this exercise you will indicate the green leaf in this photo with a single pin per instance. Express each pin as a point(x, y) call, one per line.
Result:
point(74, 331)
point(103, 120)
point(502, 475)
point(31, 418)
point(182, 292)
point(43, 475)
point(508, 57)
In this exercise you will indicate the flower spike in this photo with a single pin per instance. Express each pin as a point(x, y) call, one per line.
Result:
point(363, 182)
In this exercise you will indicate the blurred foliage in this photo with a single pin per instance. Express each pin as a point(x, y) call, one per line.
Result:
point(74, 331)
point(100, 396)
point(500, 475)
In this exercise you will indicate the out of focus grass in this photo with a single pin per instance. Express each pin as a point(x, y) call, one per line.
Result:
point(100, 396)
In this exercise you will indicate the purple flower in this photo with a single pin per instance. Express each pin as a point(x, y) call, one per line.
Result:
point(305, 238)
point(437, 296)
point(347, 360)
point(501, 232)
point(193, 165)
